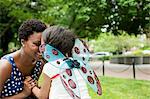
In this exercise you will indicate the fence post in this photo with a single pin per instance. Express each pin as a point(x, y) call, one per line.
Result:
point(133, 63)
point(103, 60)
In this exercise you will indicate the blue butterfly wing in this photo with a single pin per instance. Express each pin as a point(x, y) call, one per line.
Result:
point(52, 55)
point(90, 77)
point(69, 81)
point(80, 51)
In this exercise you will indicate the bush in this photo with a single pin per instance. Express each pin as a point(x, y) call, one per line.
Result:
point(104, 58)
point(109, 42)
point(139, 59)
point(138, 52)
point(1, 52)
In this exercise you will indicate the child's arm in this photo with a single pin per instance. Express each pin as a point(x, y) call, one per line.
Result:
point(43, 92)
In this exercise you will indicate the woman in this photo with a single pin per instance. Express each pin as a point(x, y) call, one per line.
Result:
point(20, 69)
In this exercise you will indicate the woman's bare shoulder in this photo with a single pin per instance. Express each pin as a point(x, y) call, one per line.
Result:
point(5, 72)
point(5, 66)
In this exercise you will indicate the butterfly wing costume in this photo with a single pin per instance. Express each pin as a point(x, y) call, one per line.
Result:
point(79, 61)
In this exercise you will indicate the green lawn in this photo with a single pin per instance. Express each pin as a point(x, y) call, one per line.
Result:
point(116, 88)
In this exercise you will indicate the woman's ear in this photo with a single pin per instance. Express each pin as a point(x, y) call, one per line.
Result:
point(22, 42)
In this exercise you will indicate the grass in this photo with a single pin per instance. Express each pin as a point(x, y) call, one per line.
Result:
point(117, 88)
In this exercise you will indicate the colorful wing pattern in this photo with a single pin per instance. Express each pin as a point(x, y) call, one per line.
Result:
point(67, 65)
point(69, 81)
point(80, 52)
point(52, 55)
point(85, 70)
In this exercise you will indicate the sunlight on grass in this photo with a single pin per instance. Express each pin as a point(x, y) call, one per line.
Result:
point(116, 88)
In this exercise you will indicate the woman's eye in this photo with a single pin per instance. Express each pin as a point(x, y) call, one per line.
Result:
point(37, 44)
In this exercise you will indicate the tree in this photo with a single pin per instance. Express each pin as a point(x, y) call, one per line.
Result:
point(12, 14)
point(86, 18)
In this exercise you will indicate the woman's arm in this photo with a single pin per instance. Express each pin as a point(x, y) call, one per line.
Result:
point(43, 92)
point(29, 83)
point(18, 96)
point(5, 72)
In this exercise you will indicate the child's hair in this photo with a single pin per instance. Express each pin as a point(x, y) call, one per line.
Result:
point(60, 38)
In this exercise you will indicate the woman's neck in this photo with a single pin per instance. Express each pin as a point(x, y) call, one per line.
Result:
point(24, 58)
point(23, 62)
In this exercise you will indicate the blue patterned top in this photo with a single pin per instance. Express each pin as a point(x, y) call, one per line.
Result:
point(14, 84)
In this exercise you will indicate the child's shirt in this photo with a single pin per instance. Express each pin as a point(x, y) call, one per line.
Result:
point(57, 90)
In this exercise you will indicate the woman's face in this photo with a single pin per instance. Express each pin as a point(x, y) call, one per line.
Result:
point(42, 46)
point(42, 41)
point(31, 46)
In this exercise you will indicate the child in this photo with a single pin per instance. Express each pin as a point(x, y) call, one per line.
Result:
point(54, 85)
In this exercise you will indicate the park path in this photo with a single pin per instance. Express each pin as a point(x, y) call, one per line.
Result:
point(142, 72)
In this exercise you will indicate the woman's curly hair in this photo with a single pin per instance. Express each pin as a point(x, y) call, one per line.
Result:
point(29, 27)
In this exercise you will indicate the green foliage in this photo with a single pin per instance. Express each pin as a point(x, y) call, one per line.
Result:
point(110, 43)
point(12, 47)
point(104, 42)
point(104, 58)
point(146, 48)
point(86, 18)
point(1, 53)
point(138, 52)
point(12, 14)
point(146, 45)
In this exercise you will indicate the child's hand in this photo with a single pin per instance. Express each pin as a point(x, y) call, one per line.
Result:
point(29, 83)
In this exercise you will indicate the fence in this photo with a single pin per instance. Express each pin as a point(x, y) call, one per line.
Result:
point(133, 70)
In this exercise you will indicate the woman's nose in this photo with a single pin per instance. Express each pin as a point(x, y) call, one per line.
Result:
point(39, 55)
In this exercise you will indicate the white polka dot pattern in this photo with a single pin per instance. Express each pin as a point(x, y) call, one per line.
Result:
point(14, 84)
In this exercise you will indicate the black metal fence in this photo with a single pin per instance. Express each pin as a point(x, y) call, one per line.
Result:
point(133, 69)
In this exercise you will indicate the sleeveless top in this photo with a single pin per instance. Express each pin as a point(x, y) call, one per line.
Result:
point(14, 84)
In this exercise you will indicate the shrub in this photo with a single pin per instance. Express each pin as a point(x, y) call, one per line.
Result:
point(109, 42)
point(138, 52)
point(1, 52)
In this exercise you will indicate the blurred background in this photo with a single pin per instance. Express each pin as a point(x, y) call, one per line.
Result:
point(117, 33)
point(116, 26)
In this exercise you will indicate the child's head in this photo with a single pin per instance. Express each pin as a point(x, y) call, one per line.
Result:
point(60, 38)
